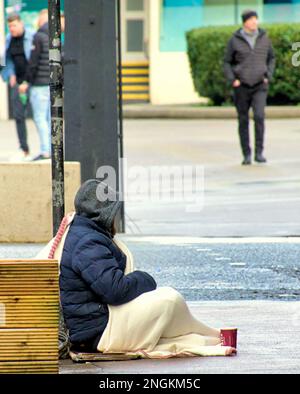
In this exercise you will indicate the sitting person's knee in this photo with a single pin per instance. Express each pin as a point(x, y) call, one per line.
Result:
point(170, 294)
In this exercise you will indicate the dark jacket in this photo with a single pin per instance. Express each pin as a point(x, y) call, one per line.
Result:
point(92, 276)
point(38, 73)
point(249, 65)
point(9, 68)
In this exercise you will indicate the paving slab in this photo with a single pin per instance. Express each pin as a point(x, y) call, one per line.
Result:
point(267, 343)
point(200, 111)
point(260, 200)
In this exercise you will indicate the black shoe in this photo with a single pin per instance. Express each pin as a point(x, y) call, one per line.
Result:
point(259, 158)
point(247, 161)
point(41, 157)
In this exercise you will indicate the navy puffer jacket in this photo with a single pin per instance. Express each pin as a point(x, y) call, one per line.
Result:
point(92, 276)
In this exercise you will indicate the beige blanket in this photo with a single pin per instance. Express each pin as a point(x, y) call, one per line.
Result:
point(137, 327)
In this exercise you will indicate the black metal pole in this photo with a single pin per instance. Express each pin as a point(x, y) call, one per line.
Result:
point(56, 92)
point(120, 100)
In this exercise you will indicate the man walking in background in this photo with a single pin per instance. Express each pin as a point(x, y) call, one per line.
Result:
point(249, 65)
point(37, 77)
point(17, 54)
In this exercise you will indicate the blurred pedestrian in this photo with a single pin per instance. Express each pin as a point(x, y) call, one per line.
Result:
point(249, 65)
point(17, 54)
point(38, 75)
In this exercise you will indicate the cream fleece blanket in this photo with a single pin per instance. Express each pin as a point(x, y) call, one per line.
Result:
point(138, 327)
point(155, 325)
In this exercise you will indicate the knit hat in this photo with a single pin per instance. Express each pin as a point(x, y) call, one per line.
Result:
point(97, 201)
point(248, 14)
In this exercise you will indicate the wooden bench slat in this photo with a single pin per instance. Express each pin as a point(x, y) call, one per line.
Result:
point(29, 294)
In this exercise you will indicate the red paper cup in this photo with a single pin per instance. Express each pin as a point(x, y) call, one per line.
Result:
point(229, 337)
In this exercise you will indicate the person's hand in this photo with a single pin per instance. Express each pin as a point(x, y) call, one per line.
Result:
point(23, 88)
point(266, 81)
point(236, 83)
point(12, 81)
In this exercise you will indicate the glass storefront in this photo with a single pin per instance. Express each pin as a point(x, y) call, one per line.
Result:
point(179, 16)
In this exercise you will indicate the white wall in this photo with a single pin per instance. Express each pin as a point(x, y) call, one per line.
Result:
point(170, 77)
point(3, 87)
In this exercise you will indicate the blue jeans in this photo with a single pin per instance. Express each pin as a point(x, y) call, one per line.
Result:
point(40, 102)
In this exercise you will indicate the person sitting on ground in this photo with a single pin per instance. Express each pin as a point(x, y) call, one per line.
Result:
point(108, 306)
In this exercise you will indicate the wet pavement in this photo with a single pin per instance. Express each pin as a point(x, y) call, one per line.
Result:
point(228, 271)
point(234, 269)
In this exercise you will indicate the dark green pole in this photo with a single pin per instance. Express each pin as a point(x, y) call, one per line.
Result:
point(56, 92)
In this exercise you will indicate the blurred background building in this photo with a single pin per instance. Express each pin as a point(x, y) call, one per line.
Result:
point(155, 63)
